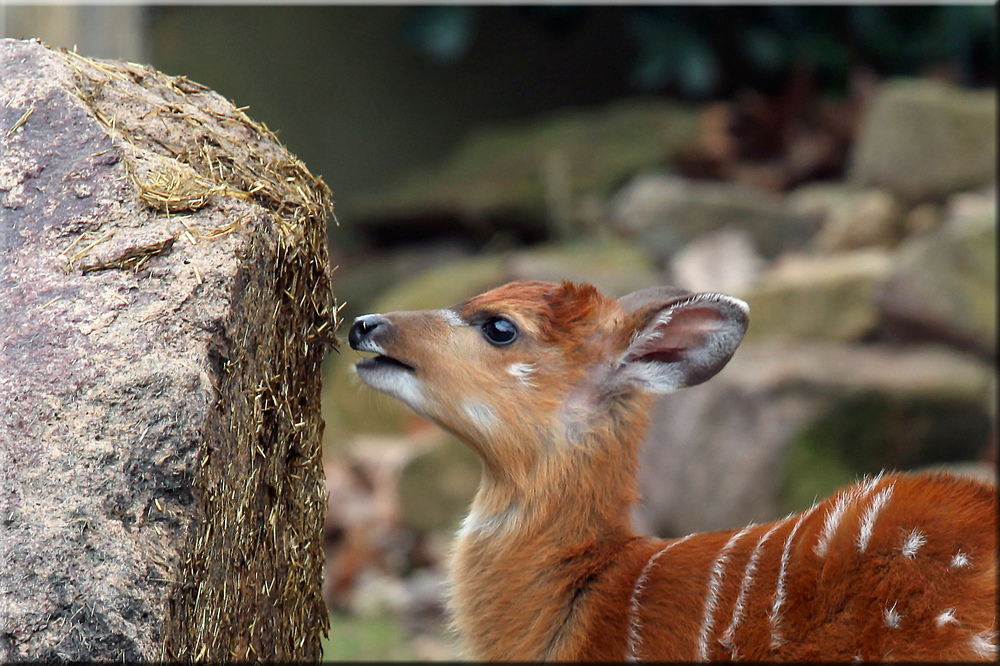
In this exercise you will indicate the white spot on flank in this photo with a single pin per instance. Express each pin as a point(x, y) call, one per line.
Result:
point(712, 598)
point(891, 617)
point(837, 511)
point(522, 372)
point(451, 317)
point(912, 543)
point(634, 624)
point(729, 635)
point(984, 644)
point(871, 515)
point(779, 592)
point(946, 617)
point(481, 415)
point(960, 561)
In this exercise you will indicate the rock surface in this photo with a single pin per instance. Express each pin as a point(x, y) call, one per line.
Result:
point(871, 217)
point(922, 139)
point(818, 296)
point(164, 308)
point(724, 261)
point(665, 213)
point(942, 285)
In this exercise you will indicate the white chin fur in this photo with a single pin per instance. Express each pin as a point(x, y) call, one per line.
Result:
point(396, 382)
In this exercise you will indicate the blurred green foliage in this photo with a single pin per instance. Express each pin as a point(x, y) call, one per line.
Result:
point(702, 51)
point(367, 638)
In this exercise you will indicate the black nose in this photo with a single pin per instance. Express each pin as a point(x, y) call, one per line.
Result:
point(362, 329)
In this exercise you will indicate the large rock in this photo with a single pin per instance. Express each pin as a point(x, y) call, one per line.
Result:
point(818, 296)
point(922, 139)
point(852, 217)
point(666, 212)
point(437, 485)
point(787, 422)
point(725, 261)
point(165, 304)
point(943, 285)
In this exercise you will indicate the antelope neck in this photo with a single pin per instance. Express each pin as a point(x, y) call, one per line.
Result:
point(583, 486)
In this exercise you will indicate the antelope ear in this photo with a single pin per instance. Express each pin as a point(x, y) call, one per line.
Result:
point(681, 341)
point(653, 297)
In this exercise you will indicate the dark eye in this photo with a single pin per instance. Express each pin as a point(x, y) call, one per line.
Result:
point(500, 331)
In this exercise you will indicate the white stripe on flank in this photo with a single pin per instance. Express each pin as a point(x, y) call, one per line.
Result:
point(635, 625)
point(729, 635)
point(912, 543)
point(779, 592)
point(712, 598)
point(871, 514)
point(837, 511)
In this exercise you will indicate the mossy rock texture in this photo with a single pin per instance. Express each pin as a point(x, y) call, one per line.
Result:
point(166, 301)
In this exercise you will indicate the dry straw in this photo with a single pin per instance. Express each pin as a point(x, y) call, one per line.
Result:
point(248, 585)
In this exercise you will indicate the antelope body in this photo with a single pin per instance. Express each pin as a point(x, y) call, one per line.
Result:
point(551, 384)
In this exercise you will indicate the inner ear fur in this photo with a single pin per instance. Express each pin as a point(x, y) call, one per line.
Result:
point(679, 339)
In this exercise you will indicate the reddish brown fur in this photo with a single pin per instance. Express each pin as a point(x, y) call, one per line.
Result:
point(547, 565)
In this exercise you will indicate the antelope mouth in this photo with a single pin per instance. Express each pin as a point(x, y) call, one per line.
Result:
point(383, 361)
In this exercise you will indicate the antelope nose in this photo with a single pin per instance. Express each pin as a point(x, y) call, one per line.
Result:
point(362, 329)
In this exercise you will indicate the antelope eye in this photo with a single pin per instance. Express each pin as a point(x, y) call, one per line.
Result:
point(500, 331)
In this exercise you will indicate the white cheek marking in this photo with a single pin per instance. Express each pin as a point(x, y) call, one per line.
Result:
point(891, 617)
point(481, 415)
point(522, 372)
point(912, 543)
point(961, 560)
point(871, 515)
point(451, 317)
point(476, 524)
point(946, 617)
